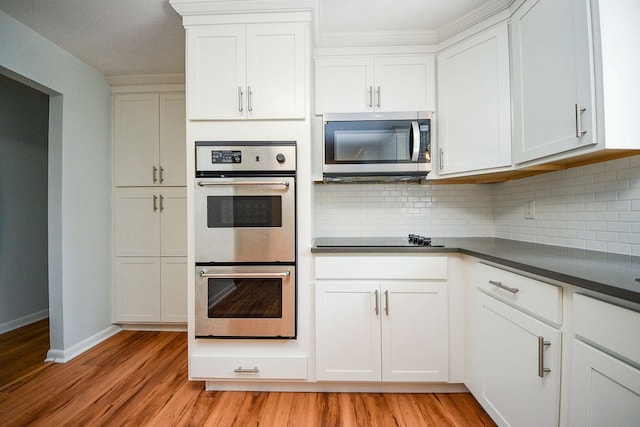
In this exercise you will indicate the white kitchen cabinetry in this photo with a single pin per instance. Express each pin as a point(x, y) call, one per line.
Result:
point(605, 379)
point(150, 248)
point(254, 71)
point(149, 139)
point(362, 84)
point(569, 60)
point(393, 328)
point(474, 104)
point(519, 348)
point(150, 290)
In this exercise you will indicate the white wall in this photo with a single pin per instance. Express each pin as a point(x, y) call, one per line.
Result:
point(79, 183)
point(590, 207)
point(24, 117)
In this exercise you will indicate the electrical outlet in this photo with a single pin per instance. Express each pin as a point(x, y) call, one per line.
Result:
point(529, 209)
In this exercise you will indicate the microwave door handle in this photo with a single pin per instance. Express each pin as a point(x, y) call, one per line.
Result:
point(415, 133)
point(256, 275)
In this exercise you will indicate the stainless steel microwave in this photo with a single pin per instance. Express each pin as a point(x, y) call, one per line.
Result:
point(374, 147)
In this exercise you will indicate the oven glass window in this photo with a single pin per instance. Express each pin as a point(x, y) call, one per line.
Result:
point(244, 211)
point(368, 142)
point(244, 298)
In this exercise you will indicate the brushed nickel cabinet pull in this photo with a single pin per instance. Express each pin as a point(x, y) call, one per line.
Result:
point(155, 174)
point(441, 159)
point(155, 203)
point(241, 370)
point(161, 203)
point(541, 345)
point(370, 96)
point(579, 110)
point(240, 109)
point(386, 302)
point(249, 94)
point(506, 288)
point(377, 309)
point(161, 174)
point(379, 97)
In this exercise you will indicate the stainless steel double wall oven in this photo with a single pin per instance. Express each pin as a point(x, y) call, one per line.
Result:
point(245, 239)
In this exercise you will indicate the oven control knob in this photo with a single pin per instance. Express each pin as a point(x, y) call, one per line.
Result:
point(280, 158)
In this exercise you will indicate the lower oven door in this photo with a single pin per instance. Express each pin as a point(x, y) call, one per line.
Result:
point(248, 301)
point(245, 219)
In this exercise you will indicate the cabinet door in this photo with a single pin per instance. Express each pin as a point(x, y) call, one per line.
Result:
point(344, 85)
point(405, 83)
point(552, 77)
point(604, 391)
point(173, 161)
point(513, 393)
point(172, 204)
point(276, 71)
point(173, 289)
point(415, 344)
point(137, 289)
point(474, 103)
point(216, 66)
point(135, 135)
point(347, 331)
point(137, 222)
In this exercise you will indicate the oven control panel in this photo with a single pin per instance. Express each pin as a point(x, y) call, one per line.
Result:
point(219, 157)
point(226, 156)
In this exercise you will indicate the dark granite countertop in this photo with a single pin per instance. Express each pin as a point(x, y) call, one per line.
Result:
point(610, 274)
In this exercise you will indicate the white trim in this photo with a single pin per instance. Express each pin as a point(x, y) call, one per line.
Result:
point(63, 356)
point(23, 321)
point(163, 327)
point(146, 79)
point(327, 386)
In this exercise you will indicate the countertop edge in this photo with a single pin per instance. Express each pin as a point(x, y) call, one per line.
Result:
point(486, 255)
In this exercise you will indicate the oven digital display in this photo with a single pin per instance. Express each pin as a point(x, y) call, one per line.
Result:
point(226, 156)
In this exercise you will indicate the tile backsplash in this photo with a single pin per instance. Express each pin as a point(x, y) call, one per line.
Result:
point(591, 207)
point(399, 209)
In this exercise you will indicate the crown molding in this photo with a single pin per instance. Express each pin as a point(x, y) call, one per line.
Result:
point(146, 79)
point(474, 17)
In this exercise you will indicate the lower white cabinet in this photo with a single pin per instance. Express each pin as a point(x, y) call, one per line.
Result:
point(382, 331)
point(150, 290)
point(520, 365)
point(605, 379)
point(385, 329)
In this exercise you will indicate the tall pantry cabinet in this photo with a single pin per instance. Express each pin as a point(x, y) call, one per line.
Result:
point(149, 207)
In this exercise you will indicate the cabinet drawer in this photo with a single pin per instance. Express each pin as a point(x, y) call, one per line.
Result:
point(538, 298)
point(609, 326)
point(381, 267)
point(251, 368)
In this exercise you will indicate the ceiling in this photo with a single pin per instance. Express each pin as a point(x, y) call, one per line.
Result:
point(134, 37)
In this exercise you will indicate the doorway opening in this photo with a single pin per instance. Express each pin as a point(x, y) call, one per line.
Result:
point(24, 229)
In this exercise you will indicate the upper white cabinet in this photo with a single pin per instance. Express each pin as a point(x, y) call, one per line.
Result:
point(574, 85)
point(254, 71)
point(474, 104)
point(552, 78)
point(149, 139)
point(361, 84)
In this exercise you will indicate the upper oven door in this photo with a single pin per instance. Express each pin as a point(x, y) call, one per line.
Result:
point(245, 219)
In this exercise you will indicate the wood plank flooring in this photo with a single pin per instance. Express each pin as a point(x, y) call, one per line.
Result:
point(140, 379)
point(23, 351)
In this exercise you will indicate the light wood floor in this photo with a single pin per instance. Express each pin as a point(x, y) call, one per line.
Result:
point(140, 378)
point(23, 350)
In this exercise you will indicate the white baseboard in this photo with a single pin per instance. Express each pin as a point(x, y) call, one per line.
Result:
point(63, 356)
point(155, 327)
point(23, 321)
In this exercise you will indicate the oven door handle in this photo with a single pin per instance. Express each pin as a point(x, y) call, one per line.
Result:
point(208, 183)
point(256, 275)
